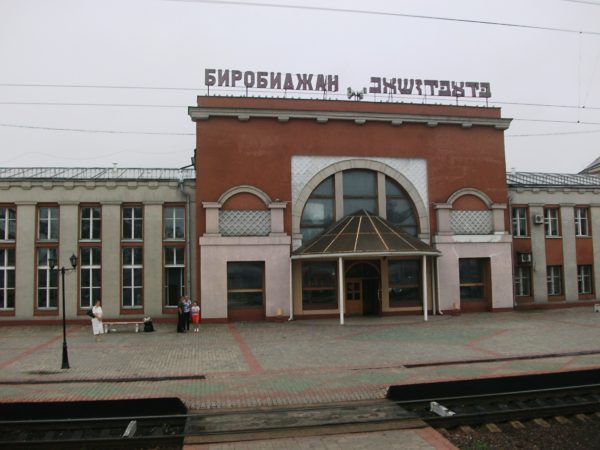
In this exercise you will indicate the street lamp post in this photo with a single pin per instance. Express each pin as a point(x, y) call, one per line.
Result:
point(52, 263)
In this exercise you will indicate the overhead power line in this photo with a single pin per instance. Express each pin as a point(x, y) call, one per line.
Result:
point(386, 13)
point(146, 105)
point(81, 130)
point(554, 133)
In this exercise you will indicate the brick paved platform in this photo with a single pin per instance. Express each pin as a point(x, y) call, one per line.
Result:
point(301, 362)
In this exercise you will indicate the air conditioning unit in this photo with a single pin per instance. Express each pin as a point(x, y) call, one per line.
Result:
point(524, 258)
point(538, 219)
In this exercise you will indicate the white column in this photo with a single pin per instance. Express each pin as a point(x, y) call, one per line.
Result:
point(341, 289)
point(424, 282)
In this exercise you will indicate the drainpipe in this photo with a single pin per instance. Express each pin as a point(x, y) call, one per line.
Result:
point(512, 251)
point(424, 281)
point(188, 243)
point(291, 293)
point(437, 285)
point(341, 288)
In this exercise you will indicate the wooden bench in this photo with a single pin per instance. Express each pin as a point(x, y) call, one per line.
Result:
point(137, 324)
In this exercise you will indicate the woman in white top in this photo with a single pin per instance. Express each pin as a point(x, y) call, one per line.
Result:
point(97, 327)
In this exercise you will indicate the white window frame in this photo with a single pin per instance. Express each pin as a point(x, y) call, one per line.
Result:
point(51, 281)
point(86, 264)
point(519, 221)
point(551, 221)
point(133, 219)
point(132, 266)
point(172, 263)
point(95, 223)
point(522, 281)
point(581, 222)
point(53, 220)
point(584, 279)
point(6, 272)
point(554, 280)
point(10, 217)
point(173, 220)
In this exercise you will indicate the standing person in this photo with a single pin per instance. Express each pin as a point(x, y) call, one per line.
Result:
point(180, 316)
point(187, 306)
point(97, 327)
point(196, 317)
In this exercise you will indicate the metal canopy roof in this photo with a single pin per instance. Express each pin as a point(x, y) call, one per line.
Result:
point(363, 234)
point(540, 179)
point(95, 173)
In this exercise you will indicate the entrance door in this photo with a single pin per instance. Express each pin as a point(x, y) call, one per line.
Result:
point(354, 303)
point(362, 288)
point(371, 303)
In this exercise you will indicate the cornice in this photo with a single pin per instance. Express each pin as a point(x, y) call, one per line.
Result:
point(198, 113)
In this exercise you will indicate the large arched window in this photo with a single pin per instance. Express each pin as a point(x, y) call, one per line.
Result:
point(399, 208)
point(359, 190)
point(319, 210)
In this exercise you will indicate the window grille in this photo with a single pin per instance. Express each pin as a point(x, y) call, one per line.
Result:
point(471, 222)
point(245, 223)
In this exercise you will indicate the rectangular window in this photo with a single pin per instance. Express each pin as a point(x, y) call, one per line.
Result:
point(7, 278)
point(48, 223)
point(132, 277)
point(581, 222)
point(174, 278)
point(8, 223)
point(319, 285)
point(551, 221)
point(90, 223)
point(519, 221)
point(245, 284)
point(404, 281)
point(584, 279)
point(47, 279)
point(360, 191)
point(174, 222)
point(133, 222)
point(554, 280)
point(522, 281)
point(90, 276)
point(472, 278)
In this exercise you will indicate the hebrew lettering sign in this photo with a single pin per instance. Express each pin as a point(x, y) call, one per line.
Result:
point(248, 79)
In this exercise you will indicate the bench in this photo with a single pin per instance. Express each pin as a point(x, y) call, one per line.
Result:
point(137, 324)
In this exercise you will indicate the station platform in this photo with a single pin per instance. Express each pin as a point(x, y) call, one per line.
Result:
point(266, 364)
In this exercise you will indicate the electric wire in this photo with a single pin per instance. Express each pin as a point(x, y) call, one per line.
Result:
point(387, 13)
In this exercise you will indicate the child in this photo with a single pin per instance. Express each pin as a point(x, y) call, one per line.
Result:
point(196, 317)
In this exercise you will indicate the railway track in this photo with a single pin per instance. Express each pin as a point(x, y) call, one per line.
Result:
point(462, 403)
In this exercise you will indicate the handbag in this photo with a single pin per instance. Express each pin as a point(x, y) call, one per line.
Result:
point(90, 313)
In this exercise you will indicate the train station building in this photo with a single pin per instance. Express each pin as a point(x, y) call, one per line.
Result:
point(303, 209)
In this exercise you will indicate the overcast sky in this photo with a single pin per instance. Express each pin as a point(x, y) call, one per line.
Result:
point(117, 47)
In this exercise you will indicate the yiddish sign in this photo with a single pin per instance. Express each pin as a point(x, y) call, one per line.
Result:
point(288, 81)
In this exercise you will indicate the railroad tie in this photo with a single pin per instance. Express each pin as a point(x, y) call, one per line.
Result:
point(541, 422)
point(493, 428)
point(466, 429)
point(517, 425)
point(562, 419)
point(582, 417)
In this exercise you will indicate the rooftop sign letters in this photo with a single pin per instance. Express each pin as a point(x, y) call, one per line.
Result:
point(330, 83)
point(441, 88)
point(271, 80)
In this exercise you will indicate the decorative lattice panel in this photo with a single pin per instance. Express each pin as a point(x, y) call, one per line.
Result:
point(244, 223)
point(306, 167)
point(471, 222)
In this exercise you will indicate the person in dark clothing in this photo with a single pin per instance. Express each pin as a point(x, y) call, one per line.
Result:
point(180, 315)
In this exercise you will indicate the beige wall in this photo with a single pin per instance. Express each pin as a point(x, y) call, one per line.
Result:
point(110, 194)
point(215, 252)
point(495, 247)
